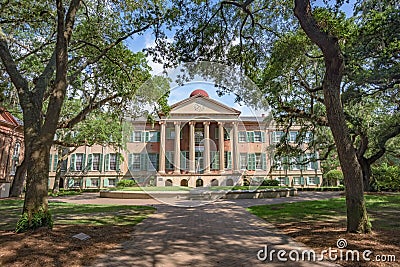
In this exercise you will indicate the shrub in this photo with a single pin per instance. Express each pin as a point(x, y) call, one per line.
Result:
point(334, 175)
point(39, 219)
point(270, 183)
point(385, 178)
point(126, 183)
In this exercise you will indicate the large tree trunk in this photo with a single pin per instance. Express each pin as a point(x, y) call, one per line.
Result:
point(367, 173)
point(357, 218)
point(19, 179)
point(36, 203)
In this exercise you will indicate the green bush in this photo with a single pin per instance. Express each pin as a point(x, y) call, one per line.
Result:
point(385, 178)
point(39, 219)
point(270, 183)
point(334, 175)
point(126, 183)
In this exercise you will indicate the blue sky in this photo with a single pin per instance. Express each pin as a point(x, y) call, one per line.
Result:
point(146, 40)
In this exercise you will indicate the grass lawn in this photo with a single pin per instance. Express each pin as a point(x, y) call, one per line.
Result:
point(108, 226)
point(320, 223)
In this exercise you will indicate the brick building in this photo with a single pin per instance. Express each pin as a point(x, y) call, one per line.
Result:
point(201, 142)
point(11, 149)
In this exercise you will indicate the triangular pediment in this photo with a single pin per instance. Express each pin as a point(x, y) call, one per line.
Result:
point(197, 105)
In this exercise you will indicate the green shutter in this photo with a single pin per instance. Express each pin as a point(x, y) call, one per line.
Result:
point(88, 182)
point(286, 180)
point(302, 180)
point(285, 163)
point(229, 157)
point(50, 157)
point(251, 161)
point(118, 162)
point(264, 161)
point(72, 163)
point(105, 182)
point(183, 160)
point(143, 137)
point(132, 139)
point(107, 162)
point(130, 162)
point(250, 137)
point(143, 162)
point(263, 136)
point(89, 162)
point(317, 180)
point(216, 133)
point(83, 161)
point(55, 162)
point(70, 182)
point(158, 136)
point(215, 160)
point(101, 163)
point(147, 139)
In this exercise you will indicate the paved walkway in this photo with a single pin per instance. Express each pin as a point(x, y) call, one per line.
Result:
point(221, 233)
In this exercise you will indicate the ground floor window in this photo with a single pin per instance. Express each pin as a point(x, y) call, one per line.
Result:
point(313, 180)
point(199, 182)
point(214, 182)
point(77, 182)
point(168, 182)
point(283, 181)
point(229, 182)
point(184, 182)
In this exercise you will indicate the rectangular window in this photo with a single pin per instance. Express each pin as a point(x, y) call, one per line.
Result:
point(154, 136)
point(309, 137)
point(184, 160)
point(312, 163)
point(312, 180)
point(276, 136)
point(242, 137)
point(170, 133)
point(137, 136)
point(214, 160)
point(113, 162)
point(96, 162)
point(95, 182)
point(250, 137)
point(134, 162)
point(283, 181)
point(198, 136)
point(259, 165)
point(227, 160)
point(292, 137)
point(153, 162)
point(79, 162)
point(278, 164)
point(227, 135)
point(112, 182)
point(77, 182)
point(258, 137)
point(169, 160)
point(296, 181)
point(243, 161)
point(294, 164)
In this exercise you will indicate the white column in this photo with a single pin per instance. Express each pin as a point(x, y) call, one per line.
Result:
point(221, 147)
point(177, 156)
point(206, 147)
point(191, 147)
point(235, 150)
point(161, 167)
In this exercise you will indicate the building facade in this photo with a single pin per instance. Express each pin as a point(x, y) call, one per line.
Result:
point(201, 142)
point(11, 149)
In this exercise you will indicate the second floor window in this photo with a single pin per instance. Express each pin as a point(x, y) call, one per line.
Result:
point(96, 162)
point(79, 162)
point(113, 162)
